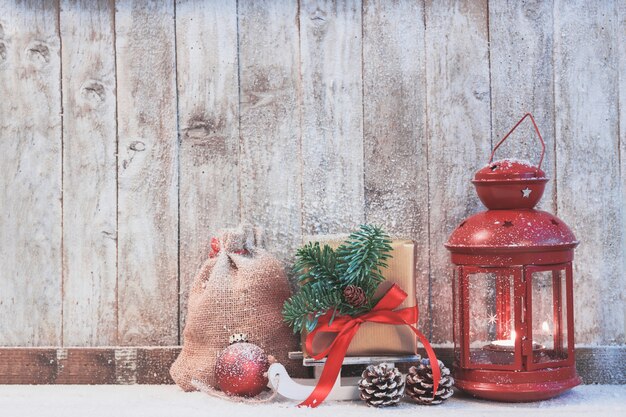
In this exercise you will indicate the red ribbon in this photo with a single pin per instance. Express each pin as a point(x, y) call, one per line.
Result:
point(215, 249)
point(347, 326)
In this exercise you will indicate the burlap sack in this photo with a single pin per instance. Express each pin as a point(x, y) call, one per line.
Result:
point(240, 290)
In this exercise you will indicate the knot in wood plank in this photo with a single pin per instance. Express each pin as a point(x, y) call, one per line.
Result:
point(38, 53)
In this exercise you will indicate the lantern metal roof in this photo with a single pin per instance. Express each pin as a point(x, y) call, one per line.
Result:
point(512, 230)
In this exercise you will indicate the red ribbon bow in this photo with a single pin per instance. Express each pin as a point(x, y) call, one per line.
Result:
point(347, 326)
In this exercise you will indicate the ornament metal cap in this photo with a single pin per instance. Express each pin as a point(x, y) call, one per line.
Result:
point(238, 338)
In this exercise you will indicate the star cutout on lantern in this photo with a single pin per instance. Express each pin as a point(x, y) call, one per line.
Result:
point(492, 319)
point(526, 192)
point(507, 223)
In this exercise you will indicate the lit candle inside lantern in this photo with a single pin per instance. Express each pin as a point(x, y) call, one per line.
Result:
point(545, 327)
point(507, 344)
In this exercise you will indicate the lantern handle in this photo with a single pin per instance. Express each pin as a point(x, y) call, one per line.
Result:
point(543, 144)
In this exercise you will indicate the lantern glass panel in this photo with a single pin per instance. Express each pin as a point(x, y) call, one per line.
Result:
point(563, 314)
point(456, 321)
point(491, 318)
point(549, 316)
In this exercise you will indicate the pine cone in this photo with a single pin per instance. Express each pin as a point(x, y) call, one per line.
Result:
point(419, 384)
point(381, 385)
point(355, 296)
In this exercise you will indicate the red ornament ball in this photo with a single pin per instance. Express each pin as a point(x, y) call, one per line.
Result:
point(241, 370)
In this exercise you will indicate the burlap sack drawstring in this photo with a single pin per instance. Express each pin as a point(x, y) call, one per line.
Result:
point(240, 290)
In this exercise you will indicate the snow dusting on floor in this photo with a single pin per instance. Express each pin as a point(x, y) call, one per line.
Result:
point(169, 400)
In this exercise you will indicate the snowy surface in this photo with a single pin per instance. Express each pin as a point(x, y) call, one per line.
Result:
point(168, 400)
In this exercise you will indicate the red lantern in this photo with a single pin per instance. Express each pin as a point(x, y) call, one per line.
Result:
point(512, 289)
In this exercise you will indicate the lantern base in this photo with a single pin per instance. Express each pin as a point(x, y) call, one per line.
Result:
point(516, 386)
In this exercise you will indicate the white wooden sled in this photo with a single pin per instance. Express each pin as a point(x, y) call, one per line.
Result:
point(344, 388)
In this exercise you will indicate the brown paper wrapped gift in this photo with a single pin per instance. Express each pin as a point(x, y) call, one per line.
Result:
point(375, 338)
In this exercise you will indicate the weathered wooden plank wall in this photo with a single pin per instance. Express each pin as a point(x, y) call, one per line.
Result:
point(131, 131)
point(621, 34)
point(31, 175)
point(89, 173)
point(394, 128)
point(270, 121)
point(332, 115)
point(587, 132)
point(457, 79)
point(208, 119)
point(147, 236)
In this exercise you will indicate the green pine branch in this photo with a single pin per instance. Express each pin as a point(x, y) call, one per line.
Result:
point(324, 273)
point(302, 310)
point(363, 256)
point(315, 263)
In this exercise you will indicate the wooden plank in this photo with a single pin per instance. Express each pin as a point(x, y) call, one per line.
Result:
point(103, 365)
point(270, 121)
point(208, 90)
point(147, 173)
point(522, 82)
point(150, 365)
point(89, 173)
point(621, 16)
point(27, 366)
point(589, 198)
point(601, 364)
point(31, 166)
point(332, 116)
point(153, 365)
point(394, 127)
point(84, 366)
point(458, 120)
point(125, 366)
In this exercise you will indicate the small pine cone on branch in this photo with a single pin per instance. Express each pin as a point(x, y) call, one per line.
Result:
point(381, 385)
point(419, 384)
point(355, 296)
